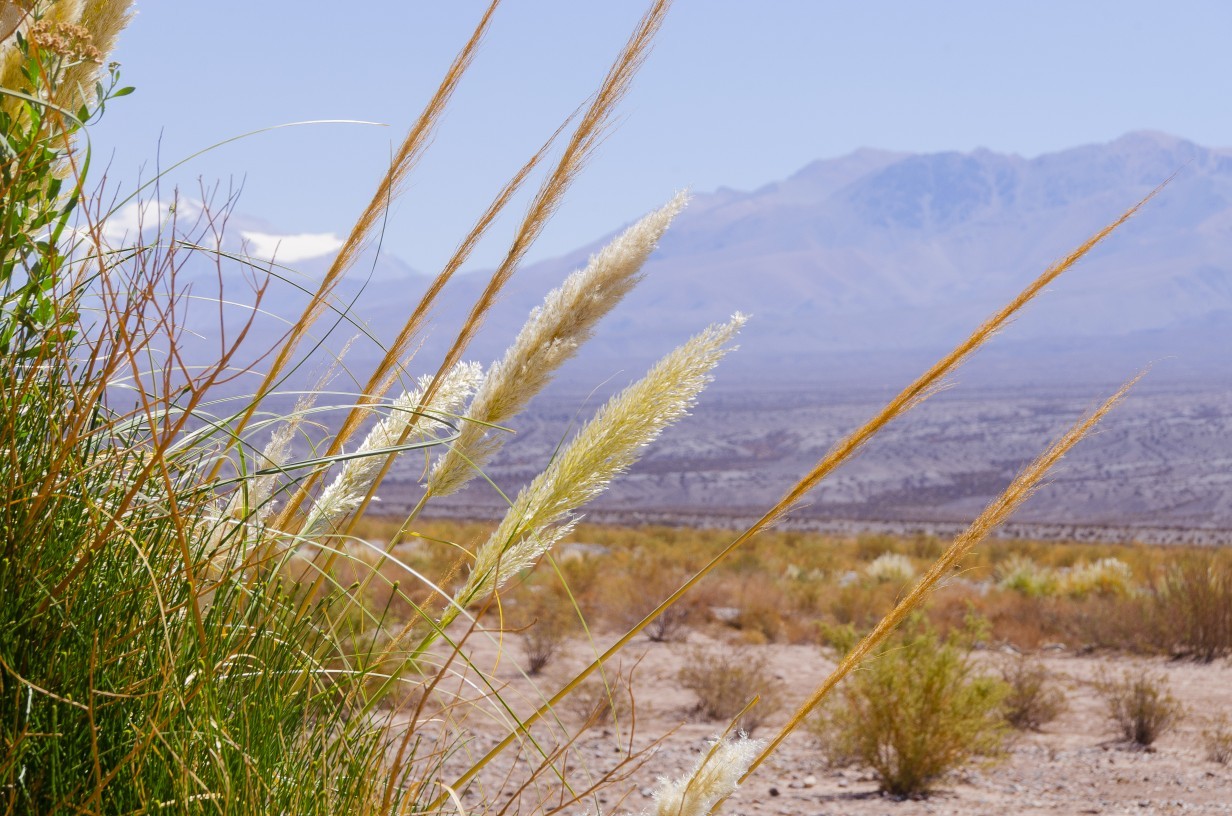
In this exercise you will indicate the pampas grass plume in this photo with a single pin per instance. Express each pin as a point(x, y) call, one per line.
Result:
point(550, 337)
point(609, 444)
point(407, 417)
point(716, 777)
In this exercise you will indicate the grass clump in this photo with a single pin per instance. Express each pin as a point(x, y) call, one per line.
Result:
point(1141, 707)
point(1217, 740)
point(1194, 603)
point(890, 568)
point(1032, 699)
point(916, 711)
point(191, 623)
point(726, 680)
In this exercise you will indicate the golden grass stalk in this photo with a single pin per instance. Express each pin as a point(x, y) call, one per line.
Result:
point(1021, 488)
point(910, 396)
point(384, 373)
point(586, 137)
point(715, 777)
point(408, 417)
point(551, 336)
point(412, 147)
point(608, 445)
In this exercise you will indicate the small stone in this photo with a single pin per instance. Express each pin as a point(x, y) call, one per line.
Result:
point(774, 791)
point(809, 781)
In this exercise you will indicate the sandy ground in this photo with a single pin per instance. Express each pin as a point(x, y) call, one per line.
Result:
point(1076, 765)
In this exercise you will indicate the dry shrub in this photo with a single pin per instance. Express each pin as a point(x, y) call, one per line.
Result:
point(1141, 706)
point(548, 616)
point(760, 618)
point(1033, 700)
point(914, 713)
point(644, 584)
point(726, 679)
point(871, 545)
point(603, 698)
point(861, 605)
point(1194, 604)
point(1217, 739)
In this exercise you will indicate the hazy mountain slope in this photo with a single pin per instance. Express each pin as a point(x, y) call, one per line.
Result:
point(889, 251)
point(880, 252)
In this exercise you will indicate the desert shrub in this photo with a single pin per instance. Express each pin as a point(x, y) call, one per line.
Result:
point(604, 698)
point(1140, 706)
point(1107, 576)
point(1023, 575)
point(841, 637)
point(644, 582)
point(890, 567)
point(1194, 605)
point(548, 616)
point(871, 545)
point(916, 711)
point(1217, 740)
point(1122, 623)
point(1032, 699)
point(726, 679)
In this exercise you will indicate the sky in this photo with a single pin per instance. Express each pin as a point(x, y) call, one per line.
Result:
point(736, 94)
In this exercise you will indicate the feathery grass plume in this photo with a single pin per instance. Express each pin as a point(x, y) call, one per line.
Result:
point(715, 777)
point(585, 140)
point(586, 137)
point(609, 444)
point(81, 32)
point(253, 495)
point(551, 336)
point(408, 416)
point(910, 396)
point(384, 373)
point(1024, 484)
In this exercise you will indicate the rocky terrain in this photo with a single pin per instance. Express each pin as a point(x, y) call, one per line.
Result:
point(1159, 469)
point(1076, 765)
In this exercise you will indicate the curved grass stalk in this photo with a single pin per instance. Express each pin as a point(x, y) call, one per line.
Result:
point(608, 445)
point(1019, 490)
point(920, 389)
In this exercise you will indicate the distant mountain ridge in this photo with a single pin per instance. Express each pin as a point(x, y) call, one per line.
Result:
point(886, 253)
point(881, 251)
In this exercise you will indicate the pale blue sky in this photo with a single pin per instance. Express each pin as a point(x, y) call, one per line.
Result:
point(737, 93)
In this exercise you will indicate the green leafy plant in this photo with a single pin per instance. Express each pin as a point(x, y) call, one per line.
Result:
point(916, 711)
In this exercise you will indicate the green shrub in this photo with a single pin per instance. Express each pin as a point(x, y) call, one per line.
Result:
point(1106, 577)
point(916, 711)
point(1023, 575)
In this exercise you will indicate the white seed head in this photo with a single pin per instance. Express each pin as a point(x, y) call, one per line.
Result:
point(715, 777)
point(609, 444)
point(552, 334)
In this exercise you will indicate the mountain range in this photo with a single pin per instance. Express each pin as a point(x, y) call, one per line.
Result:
point(858, 271)
point(893, 256)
